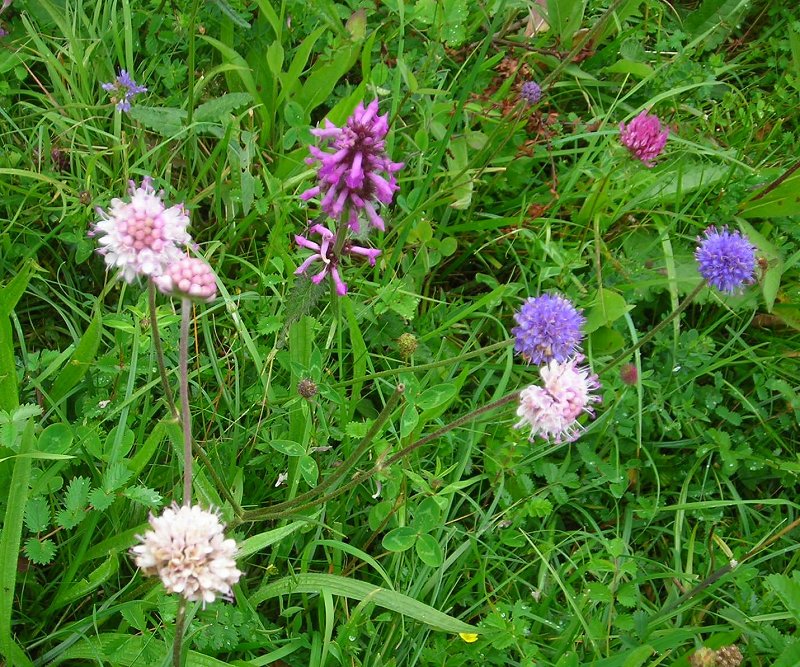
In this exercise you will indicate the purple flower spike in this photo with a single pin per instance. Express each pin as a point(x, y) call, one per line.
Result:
point(644, 137)
point(549, 329)
point(124, 89)
point(324, 252)
point(531, 92)
point(727, 260)
point(357, 174)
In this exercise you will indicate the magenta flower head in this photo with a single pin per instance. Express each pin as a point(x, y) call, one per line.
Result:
point(644, 137)
point(550, 328)
point(531, 92)
point(323, 252)
point(356, 175)
point(124, 89)
point(727, 260)
point(189, 278)
point(141, 237)
point(552, 411)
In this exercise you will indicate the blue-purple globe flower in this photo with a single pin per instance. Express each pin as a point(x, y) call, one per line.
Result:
point(124, 89)
point(550, 329)
point(727, 260)
point(531, 92)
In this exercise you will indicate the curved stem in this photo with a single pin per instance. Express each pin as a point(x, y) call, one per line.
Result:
point(186, 417)
point(180, 630)
point(658, 327)
point(162, 366)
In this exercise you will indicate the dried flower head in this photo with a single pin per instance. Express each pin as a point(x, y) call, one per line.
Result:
point(550, 328)
point(358, 174)
point(141, 237)
point(551, 411)
point(123, 90)
point(307, 388)
point(189, 278)
point(324, 252)
point(727, 260)
point(644, 137)
point(531, 92)
point(187, 549)
point(729, 656)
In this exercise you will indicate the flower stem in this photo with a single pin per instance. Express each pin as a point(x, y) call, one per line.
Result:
point(342, 470)
point(162, 366)
point(683, 305)
point(186, 417)
point(382, 464)
point(180, 630)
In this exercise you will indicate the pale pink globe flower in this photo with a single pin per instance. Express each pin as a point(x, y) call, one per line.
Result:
point(644, 137)
point(552, 410)
point(187, 549)
point(141, 237)
point(189, 278)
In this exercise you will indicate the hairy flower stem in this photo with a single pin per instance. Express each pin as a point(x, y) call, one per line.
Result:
point(683, 305)
point(342, 470)
point(180, 631)
point(186, 417)
point(162, 366)
point(383, 463)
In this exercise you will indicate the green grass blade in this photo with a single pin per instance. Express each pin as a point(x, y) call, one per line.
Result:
point(79, 362)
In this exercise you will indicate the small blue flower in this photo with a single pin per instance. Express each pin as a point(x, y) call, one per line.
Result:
point(550, 328)
point(727, 260)
point(124, 89)
point(531, 92)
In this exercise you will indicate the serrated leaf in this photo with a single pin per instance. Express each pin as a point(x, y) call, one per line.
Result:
point(39, 551)
point(396, 296)
point(143, 495)
point(218, 109)
point(429, 551)
point(37, 515)
point(539, 507)
point(165, 121)
point(400, 539)
point(115, 477)
point(788, 590)
point(75, 502)
point(100, 500)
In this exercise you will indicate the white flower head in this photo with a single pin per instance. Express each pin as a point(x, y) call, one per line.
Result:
point(187, 549)
point(142, 236)
point(552, 411)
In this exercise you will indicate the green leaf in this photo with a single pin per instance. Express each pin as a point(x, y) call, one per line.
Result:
point(143, 495)
point(39, 551)
point(9, 296)
point(608, 307)
point(309, 470)
point(638, 656)
point(427, 516)
point(771, 281)
point(56, 439)
point(435, 396)
point(115, 476)
point(400, 539)
point(714, 20)
point(75, 503)
point(101, 500)
point(358, 590)
point(82, 588)
point(429, 551)
point(398, 297)
point(788, 590)
point(288, 447)
point(409, 420)
point(220, 108)
point(261, 541)
point(80, 361)
point(37, 515)
point(790, 656)
point(166, 121)
point(606, 341)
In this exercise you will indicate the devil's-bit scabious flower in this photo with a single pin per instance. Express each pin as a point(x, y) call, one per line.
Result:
point(550, 327)
point(552, 411)
point(190, 278)
point(644, 137)
point(324, 253)
point(357, 175)
point(141, 237)
point(727, 260)
point(124, 89)
point(187, 549)
point(531, 92)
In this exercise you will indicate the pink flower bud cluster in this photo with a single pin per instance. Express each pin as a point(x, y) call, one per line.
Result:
point(644, 137)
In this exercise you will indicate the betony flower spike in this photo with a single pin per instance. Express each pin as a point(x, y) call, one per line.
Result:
point(141, 237)
point(727, 260)
point(355, 175)
point(644, 137)
point(549, 328)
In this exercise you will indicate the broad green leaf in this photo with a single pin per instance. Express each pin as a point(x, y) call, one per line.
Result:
point(427, 516)
point(287, 447)
point(218, 109)
point(261, 541)
point(771, 281)
point(788, 590)
point(435, 396)
point(80, 361)
point(429, 551)
point(39, 551)
point(359, 590)
point(790, 656)
point(638, 656)
point(309, 470)
point(165, 121)
point(606, 341)
point(84, 587)
point(409, 420)
point(400, 539)
point(608, 307)
point(56, 439)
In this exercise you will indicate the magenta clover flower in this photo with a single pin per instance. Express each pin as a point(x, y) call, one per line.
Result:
point(551, 411)
point(141, 237)
point(357, 175)
point(550, 328)
point(644, 137)
point(124, 89)
point(727, 260)
point(324, 252)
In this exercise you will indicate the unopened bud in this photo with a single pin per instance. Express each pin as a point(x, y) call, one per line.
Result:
point(307, 388)
point(407, 344)
point(85, 197)
point(629, 374)
point(703, 657)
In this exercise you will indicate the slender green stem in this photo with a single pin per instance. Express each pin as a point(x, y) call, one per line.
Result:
point(426, 367)
point(162, 366)
point(180, 630)
point(382, 464)
point(683, 305)
point(186, 417)
point(343, 469)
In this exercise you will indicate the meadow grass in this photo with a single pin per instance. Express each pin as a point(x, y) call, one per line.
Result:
point(390, 513)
